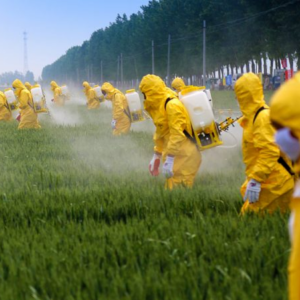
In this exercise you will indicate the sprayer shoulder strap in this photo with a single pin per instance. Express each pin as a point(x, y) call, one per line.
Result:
point(280, 159)
point(258, 112)
point(127, 113)
point(190, 137)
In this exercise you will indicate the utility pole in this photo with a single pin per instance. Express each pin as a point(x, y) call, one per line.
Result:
point(153, 66)
point(101, 72)
point(122, 78)
point(169, 58)
point(25, 53)
point(204, 53)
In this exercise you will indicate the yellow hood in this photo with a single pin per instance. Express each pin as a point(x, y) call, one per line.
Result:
point(109, 89)
point(249, 93)
point(19, 86)
point(54, 85)
point(178, 84)
point(285, 105)
point(86, 86)
point(155, 91)
point(28, 86)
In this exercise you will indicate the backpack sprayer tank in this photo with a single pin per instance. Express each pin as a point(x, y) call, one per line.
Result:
point(99, 95)
point(135, 107)
point(199, 107)
point(65, 92)
point(39, 100)
point(11, 99)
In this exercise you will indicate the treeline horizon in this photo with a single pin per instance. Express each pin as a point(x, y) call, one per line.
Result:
point(239, 34)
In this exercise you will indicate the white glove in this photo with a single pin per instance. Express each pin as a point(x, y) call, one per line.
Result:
point(154, 164)
point(252, 191)
point(168, 166)
point(287, 143)
point(113, 124)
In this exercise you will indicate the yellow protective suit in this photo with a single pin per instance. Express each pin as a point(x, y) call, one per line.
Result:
point(120, 108)
point(58, 99)
point(285, 112)
point(29, 117)
point(171, 121)
point(91, 98)
point(260, 153)
point(28, 86)
point(178, 84)
point(5, 113)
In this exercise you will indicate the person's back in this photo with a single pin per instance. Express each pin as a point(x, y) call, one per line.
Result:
point(5, 113)
point(285, 116)
point(58, 98)
point(29, 117)
point(121, 121)
point(91, 97)
point(269, 181)
point(181, 156)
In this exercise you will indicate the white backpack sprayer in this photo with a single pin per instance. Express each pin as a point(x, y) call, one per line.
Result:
point(206, 131)
point(99, 95)
point(137, 114)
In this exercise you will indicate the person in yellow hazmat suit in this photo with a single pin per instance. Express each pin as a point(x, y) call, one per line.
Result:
point(121, 121)
point(28, 86)
point(285, 116)
point(58, 98)
point(173, 134)
point(5, 113)
point(178, 84)
point(29, 118)
point(91, 97)
point(270, 179)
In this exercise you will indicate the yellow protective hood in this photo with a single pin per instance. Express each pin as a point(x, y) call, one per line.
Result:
point(178, 84)
point(28, 86)
point(86, 86)
point(249, 93)
point(285, 105)
point(54, 85)
point(19, 86)
point(109, 89)
point(155, 91)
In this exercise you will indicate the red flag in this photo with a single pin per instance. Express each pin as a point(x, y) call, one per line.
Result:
point(284, 63)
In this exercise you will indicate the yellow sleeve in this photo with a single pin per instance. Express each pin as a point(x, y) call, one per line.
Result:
point(264, 142)
point(158, 143)
point(24, 99)
point(57, 93)
point(118, 106)
point(294, 263)
point(177, 121)
point(2, 101)
point(91, 96)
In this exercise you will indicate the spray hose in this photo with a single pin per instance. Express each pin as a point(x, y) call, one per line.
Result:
point(232, 146)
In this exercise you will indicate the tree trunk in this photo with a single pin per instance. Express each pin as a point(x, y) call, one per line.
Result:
point(247, 67)
point(259, 64)
point(291, 61)
point(227, 69)
point(272, 66)
point(265, 65)
point(278, 63)
point(253, 67)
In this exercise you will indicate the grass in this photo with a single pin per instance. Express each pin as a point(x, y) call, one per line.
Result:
point(80, 218)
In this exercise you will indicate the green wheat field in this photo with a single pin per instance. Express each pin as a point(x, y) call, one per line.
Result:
point(81, 218)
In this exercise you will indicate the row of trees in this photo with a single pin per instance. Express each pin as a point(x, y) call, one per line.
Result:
point(240, 34)
point(8, 77)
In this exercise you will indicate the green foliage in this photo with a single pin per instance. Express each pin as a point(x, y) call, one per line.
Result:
point(82, 219)
point(9, 77)
point(238, 31)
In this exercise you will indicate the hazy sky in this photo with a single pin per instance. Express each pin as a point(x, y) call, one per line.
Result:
point(53, 27)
